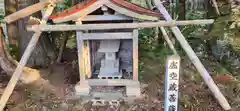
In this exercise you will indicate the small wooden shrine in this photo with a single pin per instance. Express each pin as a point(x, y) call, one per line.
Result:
point(107, 42)
point(107, 57)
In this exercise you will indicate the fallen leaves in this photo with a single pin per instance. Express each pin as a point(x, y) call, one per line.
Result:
point(224, 78)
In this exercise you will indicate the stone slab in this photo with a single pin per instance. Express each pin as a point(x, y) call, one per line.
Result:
point(112, 82)
point(109, 46)
point(82, 88)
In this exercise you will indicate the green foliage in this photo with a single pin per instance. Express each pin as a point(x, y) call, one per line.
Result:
point(146, 39)
point(163, 52)
point(141, 3)
point(150, 50)
point(66, 4)
point(191, 30)
point(14, 51)
point(1, 18)
point(71, 43)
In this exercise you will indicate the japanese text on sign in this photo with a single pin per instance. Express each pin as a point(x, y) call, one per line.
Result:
point(172, 83)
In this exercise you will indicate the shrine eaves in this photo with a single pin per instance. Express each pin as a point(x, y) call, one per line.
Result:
point(123, 7)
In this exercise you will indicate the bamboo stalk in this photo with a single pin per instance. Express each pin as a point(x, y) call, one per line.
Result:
point(193, 57)
point(169, 42)
point(29, 10)
point(115, 25)
point(27, 53)
point(216, 6)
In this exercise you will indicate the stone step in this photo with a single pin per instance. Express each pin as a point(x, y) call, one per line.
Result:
point(132, 88)
point(111, 82)
point(101, 102)
point(107, 96)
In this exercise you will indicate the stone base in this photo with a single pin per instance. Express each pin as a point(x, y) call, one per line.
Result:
point(109, 68)
point(133, 90)
point(82, 89)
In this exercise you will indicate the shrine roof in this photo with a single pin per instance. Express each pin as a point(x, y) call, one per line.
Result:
point(121, 6)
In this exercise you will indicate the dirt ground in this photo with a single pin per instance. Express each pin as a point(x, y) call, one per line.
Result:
point(194, 94)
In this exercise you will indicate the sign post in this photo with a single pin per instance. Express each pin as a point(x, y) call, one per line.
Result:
point(172, 83)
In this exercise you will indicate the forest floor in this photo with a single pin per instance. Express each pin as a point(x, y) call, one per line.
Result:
point(194, 94)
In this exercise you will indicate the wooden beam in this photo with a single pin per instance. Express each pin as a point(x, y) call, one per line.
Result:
point(195, 60)
point(115, 25)
point(106, 18)
point(135, 54)
point(27, 53)
point(100, 36)
point(29, 10)
point(169, 42)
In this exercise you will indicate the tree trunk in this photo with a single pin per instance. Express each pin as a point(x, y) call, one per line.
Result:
point(43, 52)
point(62, 46)
point(11, 7)
point(182, 13)
point(30, 76)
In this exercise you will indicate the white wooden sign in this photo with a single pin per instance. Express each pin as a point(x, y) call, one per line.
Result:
point(172, 83)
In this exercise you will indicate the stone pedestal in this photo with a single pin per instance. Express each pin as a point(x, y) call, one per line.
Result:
point(110, 64)
point(82, 89)
point(133, 90)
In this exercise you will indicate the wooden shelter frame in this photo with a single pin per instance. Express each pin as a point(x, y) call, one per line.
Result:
point(43, 27)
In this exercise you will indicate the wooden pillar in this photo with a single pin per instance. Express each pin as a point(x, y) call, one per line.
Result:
point(83, 55)
point(135, 54)
point(80, 45)
point(87, 61)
